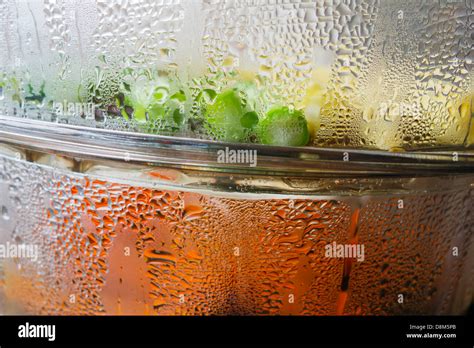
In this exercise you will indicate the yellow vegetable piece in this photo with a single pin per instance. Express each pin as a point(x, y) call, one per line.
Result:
point(315, 98)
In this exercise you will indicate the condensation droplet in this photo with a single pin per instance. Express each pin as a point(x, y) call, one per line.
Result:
point(5, 214)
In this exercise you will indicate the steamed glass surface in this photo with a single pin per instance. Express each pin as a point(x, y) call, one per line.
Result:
point(144, 247)
point(372, 74)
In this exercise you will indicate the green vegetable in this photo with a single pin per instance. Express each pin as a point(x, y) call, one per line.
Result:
point(284, 127)
point(160, 95)
point(224, 117)
point(35, 97)
point(139, 113)
point(206, 96)
point(179, 96)
point(156, 112)
point(15, 87)
point(178, 117)
point(124, 114)
point(249, 120)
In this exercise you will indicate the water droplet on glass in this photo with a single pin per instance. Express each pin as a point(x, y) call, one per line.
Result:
point(5, 215)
